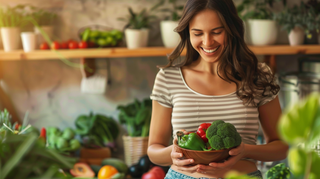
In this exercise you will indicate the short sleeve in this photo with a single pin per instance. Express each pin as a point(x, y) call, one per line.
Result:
point(268, 95)
point(160, 92)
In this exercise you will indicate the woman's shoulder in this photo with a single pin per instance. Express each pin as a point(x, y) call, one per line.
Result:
point(264, 67)
point(170, 70)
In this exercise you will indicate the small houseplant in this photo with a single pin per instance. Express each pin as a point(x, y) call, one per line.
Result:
point(12, 19)
point(45, 21)
point(261, 29)
point(137, 28)
point(312, 21)
point(136, 116)
point(293, 21)
point(173, 11)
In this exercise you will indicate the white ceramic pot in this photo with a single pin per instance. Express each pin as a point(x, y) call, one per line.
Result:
point(48, 30)
point(296, 36)
point(262, 32)
point(170, 38)
point(136, 38)
point(10, 38)
point(29, 41)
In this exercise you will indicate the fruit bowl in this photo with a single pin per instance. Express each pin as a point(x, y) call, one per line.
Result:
point(101, 36)
point(202, 157)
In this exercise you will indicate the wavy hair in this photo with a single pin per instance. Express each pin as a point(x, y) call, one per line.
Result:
point(237, 62)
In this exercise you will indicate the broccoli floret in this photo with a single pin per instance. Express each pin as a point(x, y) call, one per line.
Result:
point(216, 142)
point(222, 135)
point(212, 130)
point(279, 171)
point(229, 142)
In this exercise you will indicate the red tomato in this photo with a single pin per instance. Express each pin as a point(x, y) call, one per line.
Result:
point(55, 45)
point(44, 46)
point(73, 45)
point(64, 45)
point(155, 173)
point(83, 44)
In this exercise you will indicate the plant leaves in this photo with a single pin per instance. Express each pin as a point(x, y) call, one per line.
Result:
point(296, 123)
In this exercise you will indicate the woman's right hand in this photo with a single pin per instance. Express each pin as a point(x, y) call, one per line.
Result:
point(181, 163)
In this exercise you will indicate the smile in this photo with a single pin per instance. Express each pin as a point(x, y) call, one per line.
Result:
point(210, 51)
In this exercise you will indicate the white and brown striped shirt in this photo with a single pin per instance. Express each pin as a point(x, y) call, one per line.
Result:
point(190, 108)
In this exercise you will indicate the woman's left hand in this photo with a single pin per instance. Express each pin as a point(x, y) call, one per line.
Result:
point(235, 155)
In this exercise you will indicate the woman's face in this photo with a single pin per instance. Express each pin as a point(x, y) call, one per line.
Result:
point(207, 35)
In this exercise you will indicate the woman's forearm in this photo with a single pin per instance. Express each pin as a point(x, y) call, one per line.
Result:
point(273, 151)
point(160, 155)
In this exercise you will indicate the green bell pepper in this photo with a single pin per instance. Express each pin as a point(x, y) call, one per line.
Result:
point(191, 141)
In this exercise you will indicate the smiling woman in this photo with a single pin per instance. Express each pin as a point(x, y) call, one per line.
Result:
point(219, 79)
point(207, 38)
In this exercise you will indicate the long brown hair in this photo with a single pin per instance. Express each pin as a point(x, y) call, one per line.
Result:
point(237, 58)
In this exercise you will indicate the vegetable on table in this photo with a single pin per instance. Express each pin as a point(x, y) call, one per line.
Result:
point(97, 130)
point(43, 135)
point(82, 170)
point(202, 131)
point(279, 171)
point(155, 173)
point(223, 135)
point(191, 141)
point(107, 172)
point(117, 163)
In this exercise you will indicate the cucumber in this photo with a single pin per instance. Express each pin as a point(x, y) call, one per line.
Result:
point(116, 163)
point(95, 168)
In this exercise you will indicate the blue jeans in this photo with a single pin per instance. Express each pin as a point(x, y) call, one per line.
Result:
point(176, 175)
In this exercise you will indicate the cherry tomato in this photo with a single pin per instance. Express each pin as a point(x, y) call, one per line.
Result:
point(64, 45)
point(55, 45)
point(44, 46)
point(73, 45)
point(83, 44)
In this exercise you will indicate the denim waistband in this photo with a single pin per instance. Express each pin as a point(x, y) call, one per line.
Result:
point(172, 174)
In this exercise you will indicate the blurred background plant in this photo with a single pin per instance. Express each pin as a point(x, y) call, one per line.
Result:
point(257, 9)
point(13, 16)
point(137, 20)
point(173, 12)
point(43, 17)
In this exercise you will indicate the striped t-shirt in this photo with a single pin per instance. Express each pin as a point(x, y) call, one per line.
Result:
point(190, 108)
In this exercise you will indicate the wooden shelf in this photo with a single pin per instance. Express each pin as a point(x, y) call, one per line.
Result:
point(143, 52)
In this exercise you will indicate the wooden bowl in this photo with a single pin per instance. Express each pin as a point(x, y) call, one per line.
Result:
point(202, 157)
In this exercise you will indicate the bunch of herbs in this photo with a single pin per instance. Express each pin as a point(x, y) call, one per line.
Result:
point(13, 16)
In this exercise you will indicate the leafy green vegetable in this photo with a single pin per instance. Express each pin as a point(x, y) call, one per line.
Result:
point(279, 171)
point(26, 154)
point(136, 116)
point(97, 130)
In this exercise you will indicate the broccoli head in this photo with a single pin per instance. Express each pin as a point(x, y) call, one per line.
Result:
point(222, 135)
point(212, 130)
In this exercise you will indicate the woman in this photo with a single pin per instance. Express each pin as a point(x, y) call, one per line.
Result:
point(220, 79)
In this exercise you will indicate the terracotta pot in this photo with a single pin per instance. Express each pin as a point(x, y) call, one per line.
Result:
point(94, 156)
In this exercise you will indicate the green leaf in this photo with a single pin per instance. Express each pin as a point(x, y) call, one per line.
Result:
point(296, 123)
point(21, 151)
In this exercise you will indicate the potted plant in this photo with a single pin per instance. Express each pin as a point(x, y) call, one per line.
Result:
point(292, 20)
point(45, 21)
point(98, 134)
point(11, 20)
point(136, 116)
point(312, 21)
point(261, 29)
point(137, 28)
point(170, 38)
